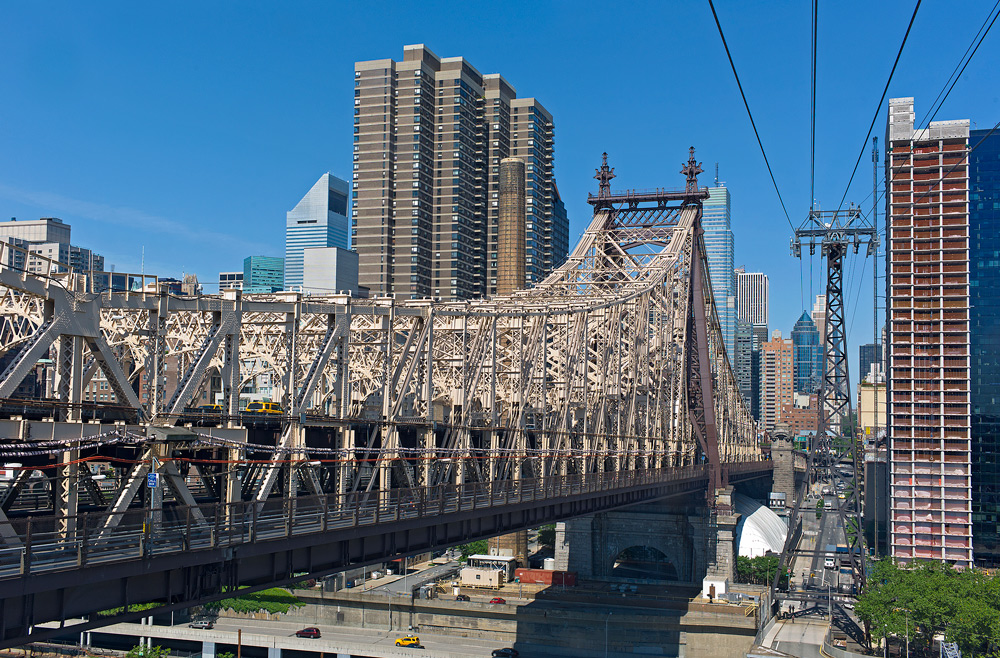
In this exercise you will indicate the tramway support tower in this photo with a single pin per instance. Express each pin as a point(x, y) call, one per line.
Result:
point(837, 233)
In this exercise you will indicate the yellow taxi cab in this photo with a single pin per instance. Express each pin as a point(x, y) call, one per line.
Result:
point(408, 641)
point(264, 408)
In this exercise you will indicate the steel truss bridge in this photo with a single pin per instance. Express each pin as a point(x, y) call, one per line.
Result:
point(409, 425)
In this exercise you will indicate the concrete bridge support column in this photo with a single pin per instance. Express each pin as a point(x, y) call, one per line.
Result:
point(208, 649)
point(722, 560)
point(574, 545)
point(274, 652)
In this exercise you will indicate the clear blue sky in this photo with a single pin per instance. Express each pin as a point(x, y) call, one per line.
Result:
point(190, 128)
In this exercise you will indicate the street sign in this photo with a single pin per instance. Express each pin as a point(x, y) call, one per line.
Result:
point(152, 480)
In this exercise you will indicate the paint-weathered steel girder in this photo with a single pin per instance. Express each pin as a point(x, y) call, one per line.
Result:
point(614, 361)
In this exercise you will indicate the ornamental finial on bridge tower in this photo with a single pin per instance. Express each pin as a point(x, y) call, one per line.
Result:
point(691, 170)
point(604, 175)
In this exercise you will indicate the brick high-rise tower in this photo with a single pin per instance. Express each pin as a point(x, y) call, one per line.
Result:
point(429, 135)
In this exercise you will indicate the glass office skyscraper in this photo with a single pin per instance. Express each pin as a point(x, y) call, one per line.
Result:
point(263, 274)
point(984, 294)
point(807, 355)
point(719, 251)
point(867, 355)
point(318, 220)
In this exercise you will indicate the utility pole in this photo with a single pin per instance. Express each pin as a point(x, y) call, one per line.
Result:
point(875, 336)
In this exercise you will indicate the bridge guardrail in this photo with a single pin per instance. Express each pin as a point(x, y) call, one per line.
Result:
point(91, 538)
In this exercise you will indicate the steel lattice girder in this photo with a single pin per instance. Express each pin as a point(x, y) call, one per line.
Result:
point(587, 371)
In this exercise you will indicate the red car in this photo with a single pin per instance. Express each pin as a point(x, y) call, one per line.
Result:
point(497, 599)
point(312, 631)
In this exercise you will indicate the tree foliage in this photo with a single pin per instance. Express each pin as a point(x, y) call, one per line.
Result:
point(135, 607)
point(274, 600)
point(758, 570)
point(547, 535)
point(929, 597)
point(142, 651)
point(474, 548)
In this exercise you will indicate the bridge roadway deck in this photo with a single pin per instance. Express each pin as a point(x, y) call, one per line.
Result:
point(183, 562)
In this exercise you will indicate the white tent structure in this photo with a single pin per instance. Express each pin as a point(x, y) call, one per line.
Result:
point(760, 530)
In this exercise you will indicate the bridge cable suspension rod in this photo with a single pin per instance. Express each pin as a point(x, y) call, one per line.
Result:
point(812, 113)
point(750, 114)
point(878, 107)
point(952, 80)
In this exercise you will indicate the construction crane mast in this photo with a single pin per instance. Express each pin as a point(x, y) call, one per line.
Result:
point(836, 233)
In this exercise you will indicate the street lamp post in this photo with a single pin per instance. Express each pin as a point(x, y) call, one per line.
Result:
point(606, 635)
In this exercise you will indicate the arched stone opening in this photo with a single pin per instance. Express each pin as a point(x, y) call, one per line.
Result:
point(644, 563)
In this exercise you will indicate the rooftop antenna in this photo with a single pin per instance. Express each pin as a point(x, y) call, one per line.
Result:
point(716, 174)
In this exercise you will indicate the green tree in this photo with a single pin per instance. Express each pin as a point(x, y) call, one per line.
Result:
point(547, 535)
point(929, 597)
point(274, 600)
point(142, 651)
point(473, 548)
point(847, 424)
point(819, 509)
point(759, 570)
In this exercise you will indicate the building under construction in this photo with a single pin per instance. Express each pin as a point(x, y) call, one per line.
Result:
point(927, 216)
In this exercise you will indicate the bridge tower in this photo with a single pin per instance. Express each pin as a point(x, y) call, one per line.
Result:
point(698, 539)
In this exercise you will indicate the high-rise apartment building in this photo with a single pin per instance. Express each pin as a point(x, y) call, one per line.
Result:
point(752, 291)
point(776, 390)
point(819, 316)
point(984, 282)
point(718, 238)
point(84, 260)
point(807, 355)
point(319, 219)
point(929, 424)
point(743, 354)
point(48, 237)
point(263, 274)
point(46, 229)
point(429, 135)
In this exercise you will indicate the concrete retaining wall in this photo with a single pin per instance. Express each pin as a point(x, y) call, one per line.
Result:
point(702, 631)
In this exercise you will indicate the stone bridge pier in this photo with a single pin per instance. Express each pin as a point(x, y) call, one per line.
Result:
point(678, 541)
